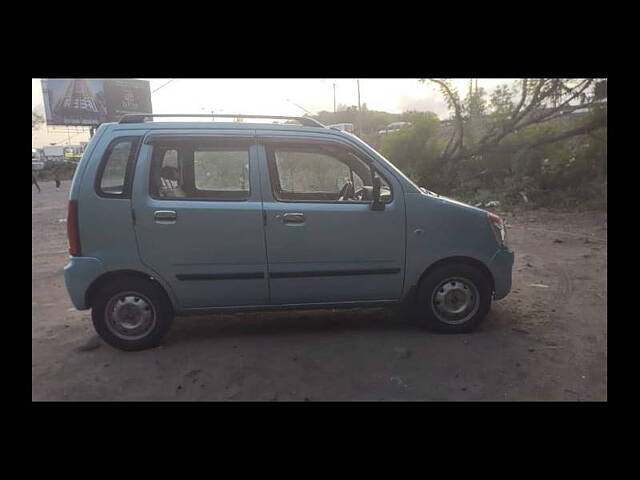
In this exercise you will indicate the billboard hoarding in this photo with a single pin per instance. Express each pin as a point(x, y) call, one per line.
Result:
point(127, 96)
point(90, 102)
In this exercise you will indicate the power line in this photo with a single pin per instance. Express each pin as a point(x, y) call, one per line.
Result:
point(69, 138)
point(163, 85)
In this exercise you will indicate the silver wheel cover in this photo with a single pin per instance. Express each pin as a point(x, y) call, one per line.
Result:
point(130, 315)
point(455, 301)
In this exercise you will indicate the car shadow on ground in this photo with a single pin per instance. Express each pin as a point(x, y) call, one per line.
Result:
point(376, 320)
point(185, 329)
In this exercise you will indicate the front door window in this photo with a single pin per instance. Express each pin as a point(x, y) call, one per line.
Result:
point(318, 174)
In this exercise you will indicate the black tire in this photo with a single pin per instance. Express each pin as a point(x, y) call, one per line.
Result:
point(147, 291)
point(426, 310)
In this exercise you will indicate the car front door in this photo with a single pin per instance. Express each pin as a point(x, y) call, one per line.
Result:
point(198, 218)
point(321, 246)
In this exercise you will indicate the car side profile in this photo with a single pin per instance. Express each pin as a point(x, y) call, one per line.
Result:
point(176, 218)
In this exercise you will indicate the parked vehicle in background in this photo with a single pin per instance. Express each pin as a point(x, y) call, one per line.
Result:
point(73, 153)
point(178, 218)
point(343, 127)
point(37, 162)
point(394, 127)
point(53, 153)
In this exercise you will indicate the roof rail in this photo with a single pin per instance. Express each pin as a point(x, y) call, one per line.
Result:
point(140, 117)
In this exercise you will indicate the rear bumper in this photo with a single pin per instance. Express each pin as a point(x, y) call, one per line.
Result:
point(79, 274)
point(501, 266)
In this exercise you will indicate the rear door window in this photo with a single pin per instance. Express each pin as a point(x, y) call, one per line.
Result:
point(192, 171)
point(221, 171)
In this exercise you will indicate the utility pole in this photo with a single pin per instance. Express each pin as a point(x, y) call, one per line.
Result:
point(359, 111)
point(471, 107)
point(334, 98)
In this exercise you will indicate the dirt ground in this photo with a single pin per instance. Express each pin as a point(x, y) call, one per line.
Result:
point(546, 341)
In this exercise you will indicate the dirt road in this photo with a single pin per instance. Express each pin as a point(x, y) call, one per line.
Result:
point(546, 341)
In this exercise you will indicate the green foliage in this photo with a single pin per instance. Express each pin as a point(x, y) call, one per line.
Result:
point(500, 102)
point(415, 150)
point(372, 120)
point(474, 104)
point(566, 172)
point(550, 162)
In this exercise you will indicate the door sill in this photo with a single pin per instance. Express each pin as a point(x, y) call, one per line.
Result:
point(288, 306)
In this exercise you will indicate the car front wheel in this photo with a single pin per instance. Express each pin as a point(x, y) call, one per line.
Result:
point(454, 298)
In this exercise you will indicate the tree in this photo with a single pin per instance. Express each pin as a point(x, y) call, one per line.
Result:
point(36, 119)
point(371, 120)
point(528, 103)
point(415, 150)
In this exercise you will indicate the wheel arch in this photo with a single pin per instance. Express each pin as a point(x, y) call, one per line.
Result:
point(455, 259)
point(118, 274)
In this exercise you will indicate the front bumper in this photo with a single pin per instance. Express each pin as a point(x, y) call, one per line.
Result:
point(79, 274)
point(501, 266)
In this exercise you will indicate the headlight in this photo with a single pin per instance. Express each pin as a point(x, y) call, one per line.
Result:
point(499, 230)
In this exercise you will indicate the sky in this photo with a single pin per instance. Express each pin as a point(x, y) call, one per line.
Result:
point(274, 97)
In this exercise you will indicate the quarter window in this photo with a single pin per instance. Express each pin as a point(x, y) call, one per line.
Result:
point(115, 174)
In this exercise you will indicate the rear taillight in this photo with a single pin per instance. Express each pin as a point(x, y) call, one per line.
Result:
point(73, 232)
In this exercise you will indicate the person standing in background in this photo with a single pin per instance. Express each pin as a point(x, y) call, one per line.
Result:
point(56, 176)
point(34, 181)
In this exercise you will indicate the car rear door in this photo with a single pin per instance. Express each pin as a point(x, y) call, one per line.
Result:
point(198, 217)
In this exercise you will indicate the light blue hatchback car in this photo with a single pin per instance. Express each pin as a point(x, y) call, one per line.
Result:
point(178, 218)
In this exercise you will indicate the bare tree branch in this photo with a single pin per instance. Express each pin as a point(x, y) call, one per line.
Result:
point(525, 114)
point(581, 130)
point(455, 143)
point(545, 115)
point(522, 98)
point(499, 131)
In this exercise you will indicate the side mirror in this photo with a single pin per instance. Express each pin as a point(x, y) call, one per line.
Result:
point(377, 204)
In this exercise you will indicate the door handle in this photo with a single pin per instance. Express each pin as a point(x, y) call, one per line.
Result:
point(293, 218)
point(165, 216)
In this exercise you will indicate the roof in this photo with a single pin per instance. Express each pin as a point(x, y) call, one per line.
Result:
point(140, 118)
point(251, 128)
point(217, 125)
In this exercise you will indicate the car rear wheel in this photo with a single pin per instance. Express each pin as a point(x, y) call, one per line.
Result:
point(132, 314)
point(454, 298)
